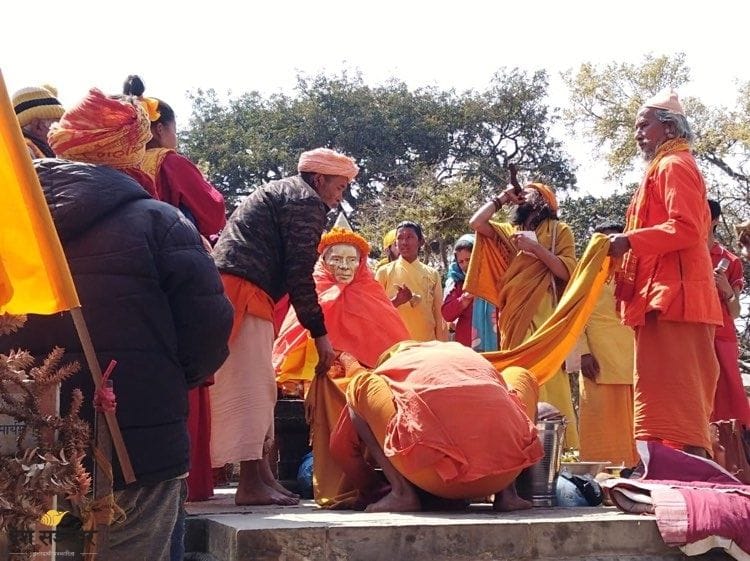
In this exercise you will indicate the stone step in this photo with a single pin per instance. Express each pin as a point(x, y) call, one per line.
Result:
point(225, 532)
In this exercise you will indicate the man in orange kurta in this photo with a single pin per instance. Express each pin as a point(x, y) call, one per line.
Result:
point(665, 284)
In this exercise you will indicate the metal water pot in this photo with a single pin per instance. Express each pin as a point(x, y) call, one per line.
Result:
point(538, 483)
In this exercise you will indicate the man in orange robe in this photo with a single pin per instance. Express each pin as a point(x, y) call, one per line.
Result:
point(408, 415)
point(665, 284)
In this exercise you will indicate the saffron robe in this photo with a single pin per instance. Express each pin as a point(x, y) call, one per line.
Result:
point(359, 319)
point(541, 355)
point(674, 306)
point(525, 292)
point(415, 403)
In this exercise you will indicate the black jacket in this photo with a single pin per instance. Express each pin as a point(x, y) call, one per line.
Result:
point(152, 299)
point(272, 240)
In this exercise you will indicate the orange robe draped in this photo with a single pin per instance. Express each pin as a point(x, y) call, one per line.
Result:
point(359, 319)
point(415, 402)
point(671, 301)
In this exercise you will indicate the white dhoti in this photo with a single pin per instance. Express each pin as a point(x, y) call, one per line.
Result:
point(243, 396)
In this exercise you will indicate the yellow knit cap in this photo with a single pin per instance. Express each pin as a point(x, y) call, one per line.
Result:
point(36, 103)
point(389, 238)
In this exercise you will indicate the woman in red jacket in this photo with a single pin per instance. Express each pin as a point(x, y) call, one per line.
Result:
point(475, 319)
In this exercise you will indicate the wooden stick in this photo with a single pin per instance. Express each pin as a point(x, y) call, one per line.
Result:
point(96, 373)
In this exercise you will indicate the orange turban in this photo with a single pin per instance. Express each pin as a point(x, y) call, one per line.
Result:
point(547, 193)
point(102, 130)
point(343, 236)
point(327, 162)
point(666, 99)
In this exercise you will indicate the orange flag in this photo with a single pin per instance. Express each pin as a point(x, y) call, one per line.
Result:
point(34, 275)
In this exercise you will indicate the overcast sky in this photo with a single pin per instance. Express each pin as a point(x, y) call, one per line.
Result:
point(263, 45)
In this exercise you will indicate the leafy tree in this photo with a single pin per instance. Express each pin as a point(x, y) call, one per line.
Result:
point(395, 133)
point(427, 154)
point(604, 102)
point(442, 209)
point(585, 213)
point(509, 123)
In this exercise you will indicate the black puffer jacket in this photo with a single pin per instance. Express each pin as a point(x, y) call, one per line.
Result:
point(272, 240)
point(152, 299)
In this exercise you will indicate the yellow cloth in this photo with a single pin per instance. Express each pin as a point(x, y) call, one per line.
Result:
point(606, 423)
point(423, 319)
point(152, 161)
point(323, 405)
point(524, 291)
point(545, 350)
point(606, 405)
point(609, 341)
point(34, 275)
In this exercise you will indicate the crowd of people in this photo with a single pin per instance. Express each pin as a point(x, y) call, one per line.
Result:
point(207, 316)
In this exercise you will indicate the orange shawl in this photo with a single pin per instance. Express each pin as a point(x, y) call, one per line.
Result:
point(351, 311)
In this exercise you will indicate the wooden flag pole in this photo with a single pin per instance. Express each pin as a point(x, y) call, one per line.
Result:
point(96, 373)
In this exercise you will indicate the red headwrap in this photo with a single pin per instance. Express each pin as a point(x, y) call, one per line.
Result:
point(102, 130)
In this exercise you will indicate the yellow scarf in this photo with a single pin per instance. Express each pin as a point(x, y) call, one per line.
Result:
point(511, 280)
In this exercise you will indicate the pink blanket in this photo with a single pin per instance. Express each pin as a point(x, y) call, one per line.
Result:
point(709, 509)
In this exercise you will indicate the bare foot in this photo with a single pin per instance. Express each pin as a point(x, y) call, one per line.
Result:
point(270, 481)
point(508, 500)
point(262, 495)
point(276, 486)
point(404, 502)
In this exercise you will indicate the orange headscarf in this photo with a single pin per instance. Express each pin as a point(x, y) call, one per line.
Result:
point(327, 162)
point(546, 192)
point(102, 130)
point(349, 310)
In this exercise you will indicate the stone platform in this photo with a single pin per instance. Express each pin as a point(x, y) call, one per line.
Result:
point(220, 531)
